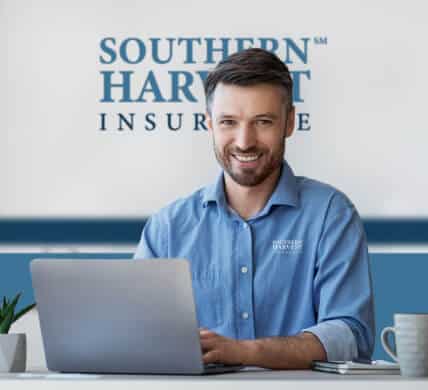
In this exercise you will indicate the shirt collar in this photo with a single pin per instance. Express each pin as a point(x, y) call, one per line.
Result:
point(285, 193)
point(215, 192)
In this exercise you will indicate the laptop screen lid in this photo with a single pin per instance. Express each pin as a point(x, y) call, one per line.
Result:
point(117, 316)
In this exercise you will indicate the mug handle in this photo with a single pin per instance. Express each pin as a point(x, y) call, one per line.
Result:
point(385, 343)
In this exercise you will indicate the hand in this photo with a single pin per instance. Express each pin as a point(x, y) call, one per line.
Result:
point(220, 349)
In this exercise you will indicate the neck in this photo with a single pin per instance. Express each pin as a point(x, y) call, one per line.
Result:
point(248, 201)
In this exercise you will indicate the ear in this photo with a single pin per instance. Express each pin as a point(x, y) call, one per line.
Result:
point(290, 122)
point(208, 121)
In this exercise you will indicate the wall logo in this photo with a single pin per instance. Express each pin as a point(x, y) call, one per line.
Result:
point(287, 246)
point(140, 79)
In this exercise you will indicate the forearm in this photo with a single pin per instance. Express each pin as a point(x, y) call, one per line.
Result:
point(291, 352)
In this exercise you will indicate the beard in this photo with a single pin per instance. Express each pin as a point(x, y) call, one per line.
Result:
point(269, 161)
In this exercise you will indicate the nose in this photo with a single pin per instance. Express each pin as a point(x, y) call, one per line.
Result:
point(245, 137)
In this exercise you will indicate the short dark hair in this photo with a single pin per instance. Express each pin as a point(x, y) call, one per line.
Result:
point(250, 67)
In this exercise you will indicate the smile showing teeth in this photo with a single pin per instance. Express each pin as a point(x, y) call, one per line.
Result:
point(248, 158)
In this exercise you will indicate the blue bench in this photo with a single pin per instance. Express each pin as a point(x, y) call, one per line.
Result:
point(399, 281)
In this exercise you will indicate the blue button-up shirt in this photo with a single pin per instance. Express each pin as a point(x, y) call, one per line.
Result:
point(300, 264)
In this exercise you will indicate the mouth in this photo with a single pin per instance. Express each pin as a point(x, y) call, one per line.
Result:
point(247, 159)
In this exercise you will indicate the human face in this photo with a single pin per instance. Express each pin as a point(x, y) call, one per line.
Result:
point(249, 126)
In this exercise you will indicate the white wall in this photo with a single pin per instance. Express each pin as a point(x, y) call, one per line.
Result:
point(366, 99)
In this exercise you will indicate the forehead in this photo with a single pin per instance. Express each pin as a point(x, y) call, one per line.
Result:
point(247, 100)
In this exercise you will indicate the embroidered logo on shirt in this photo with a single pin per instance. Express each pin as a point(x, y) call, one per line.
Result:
point(287, 246)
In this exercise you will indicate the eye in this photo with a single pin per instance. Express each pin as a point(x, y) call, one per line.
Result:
point(227, 122)
point(264, 122)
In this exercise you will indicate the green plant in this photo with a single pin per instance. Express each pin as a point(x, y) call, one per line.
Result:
point(7, 313)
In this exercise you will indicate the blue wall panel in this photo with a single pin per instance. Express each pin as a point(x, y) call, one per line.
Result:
point(119, 231)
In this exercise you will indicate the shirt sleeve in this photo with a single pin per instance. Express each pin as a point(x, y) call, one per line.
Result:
point(337, 338)
point(342, 285)
point(153, 241)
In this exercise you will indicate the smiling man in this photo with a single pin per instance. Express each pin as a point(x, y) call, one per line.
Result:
point(279, 262)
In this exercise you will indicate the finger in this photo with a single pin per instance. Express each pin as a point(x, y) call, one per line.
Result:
point(208, 343)
point(206, 333)
point(205, 330)
point(211, 357)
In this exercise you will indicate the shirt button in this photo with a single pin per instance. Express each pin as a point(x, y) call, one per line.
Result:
point(245, 315)
point(244, 270)
point(245, 225)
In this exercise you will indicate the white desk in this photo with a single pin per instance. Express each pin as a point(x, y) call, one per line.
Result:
point(252, 378)
point(248, 380)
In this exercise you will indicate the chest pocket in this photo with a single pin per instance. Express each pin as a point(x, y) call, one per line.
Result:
point(208, 297)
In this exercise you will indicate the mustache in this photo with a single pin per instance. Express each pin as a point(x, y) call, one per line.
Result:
point(252, 150)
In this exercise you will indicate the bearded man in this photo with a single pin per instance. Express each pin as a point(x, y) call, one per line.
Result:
point(279, 262)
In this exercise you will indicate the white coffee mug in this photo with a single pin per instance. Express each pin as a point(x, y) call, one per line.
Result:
point(411, 339)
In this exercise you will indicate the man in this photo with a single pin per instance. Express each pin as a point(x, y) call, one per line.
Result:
point(279, 263)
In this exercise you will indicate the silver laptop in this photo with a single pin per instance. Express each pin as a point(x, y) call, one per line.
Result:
point(119, 316)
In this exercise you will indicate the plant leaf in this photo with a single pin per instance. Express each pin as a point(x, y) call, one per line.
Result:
point(23, 311)
point(7, 321)
point(8, 314)
point(15, 300)
point(5, 303)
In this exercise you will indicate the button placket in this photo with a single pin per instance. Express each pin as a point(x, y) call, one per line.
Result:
point(245, 293)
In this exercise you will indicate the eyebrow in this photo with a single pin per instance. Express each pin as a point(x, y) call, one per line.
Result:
point(270, 115)
point(224, 115)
